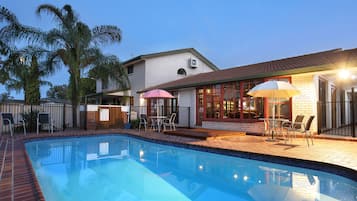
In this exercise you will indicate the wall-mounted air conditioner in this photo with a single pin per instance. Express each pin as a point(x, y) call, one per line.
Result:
point(193, 63)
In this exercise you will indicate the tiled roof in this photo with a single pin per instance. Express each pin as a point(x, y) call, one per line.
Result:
point(171, 52)
point(300, 64)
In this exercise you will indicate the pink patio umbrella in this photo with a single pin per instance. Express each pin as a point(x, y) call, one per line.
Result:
point(157, 93)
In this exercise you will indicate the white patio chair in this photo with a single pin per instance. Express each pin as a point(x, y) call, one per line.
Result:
point(170, 122)
point(143, 121)
point(8, 120)
point(44, 119)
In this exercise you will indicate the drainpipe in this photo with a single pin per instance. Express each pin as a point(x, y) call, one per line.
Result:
point(353, 112)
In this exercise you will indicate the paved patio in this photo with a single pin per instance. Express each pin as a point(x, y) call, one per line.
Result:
point(17, 180)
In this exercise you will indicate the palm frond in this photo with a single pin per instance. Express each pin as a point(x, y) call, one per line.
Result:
point(106, 34)
point(15, 30)
point(13, 84)
point(44, 82)
point(4, 48)
point(109, 67)
point(55, 59)
point(55, 38)
point(51, 10)
point(7, 16)
point(83, 34)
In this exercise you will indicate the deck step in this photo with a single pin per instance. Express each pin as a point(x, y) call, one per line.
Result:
point(200, 133)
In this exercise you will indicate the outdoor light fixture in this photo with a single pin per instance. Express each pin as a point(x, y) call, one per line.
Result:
point(344, 74)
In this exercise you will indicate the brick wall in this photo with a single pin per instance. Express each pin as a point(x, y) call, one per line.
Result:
point(306, 102)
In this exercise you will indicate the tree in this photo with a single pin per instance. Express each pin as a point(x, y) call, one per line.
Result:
point(25, 73)
point(58, 92)
point(19, 69)
point(76, 46)
point(5, 97)
point(87, 86)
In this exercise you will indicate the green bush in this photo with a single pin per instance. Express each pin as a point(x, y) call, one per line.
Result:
point(135, 123)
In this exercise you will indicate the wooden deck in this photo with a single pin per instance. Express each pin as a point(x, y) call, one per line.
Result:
point(205, 134)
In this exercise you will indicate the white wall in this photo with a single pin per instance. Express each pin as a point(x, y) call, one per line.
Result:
point(137, 81)
point(164, 69)
point(98, 86)
point(187, 98)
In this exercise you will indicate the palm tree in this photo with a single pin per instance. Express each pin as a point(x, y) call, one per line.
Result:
point(76, 46)
point(16, 74)
point(14, 30)
point(25, 72)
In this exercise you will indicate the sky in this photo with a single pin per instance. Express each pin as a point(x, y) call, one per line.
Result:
point(229, 33)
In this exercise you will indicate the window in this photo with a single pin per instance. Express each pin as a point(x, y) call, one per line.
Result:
point(231, 100)
point(181, 71)
point(213, 103)
point(252, 107)
point(130, 69)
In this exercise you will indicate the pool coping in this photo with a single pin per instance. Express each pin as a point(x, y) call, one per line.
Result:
point(284, 160)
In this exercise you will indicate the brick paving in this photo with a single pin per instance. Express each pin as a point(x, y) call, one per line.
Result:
point(18, 182)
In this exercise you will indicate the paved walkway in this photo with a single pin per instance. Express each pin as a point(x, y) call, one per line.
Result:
point(17, 180)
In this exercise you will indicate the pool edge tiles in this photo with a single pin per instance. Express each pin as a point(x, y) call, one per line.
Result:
point(33, 175)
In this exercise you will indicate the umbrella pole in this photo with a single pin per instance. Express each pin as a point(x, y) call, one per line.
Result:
point(272, 132)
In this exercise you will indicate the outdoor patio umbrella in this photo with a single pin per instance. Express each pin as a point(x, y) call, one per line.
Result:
point(157, 93)
point(274, 89)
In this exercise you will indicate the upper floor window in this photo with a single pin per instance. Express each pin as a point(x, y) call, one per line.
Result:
point(104, 84)
point(181, 71)
point(130, 69)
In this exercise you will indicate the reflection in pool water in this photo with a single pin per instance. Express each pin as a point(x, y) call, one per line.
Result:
point(123, 168)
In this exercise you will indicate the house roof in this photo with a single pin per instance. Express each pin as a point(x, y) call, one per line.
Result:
point(171, 52)
point(320, 61)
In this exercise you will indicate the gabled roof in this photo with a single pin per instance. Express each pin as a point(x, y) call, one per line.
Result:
point(171, 52)
point(314, 62)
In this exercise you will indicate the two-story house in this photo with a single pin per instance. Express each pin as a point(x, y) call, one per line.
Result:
point(149, 70)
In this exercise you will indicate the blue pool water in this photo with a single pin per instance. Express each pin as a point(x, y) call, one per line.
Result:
point(121, 168)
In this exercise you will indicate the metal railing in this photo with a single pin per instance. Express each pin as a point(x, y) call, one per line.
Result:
point(183, 116)
point(61, 114)
point(337, 118)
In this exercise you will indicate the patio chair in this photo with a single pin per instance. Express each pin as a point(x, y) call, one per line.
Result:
point(44, 119)
point(170, 122)
point(297, 125)
point(143, 121)
point(8, 120)
point(307, 131)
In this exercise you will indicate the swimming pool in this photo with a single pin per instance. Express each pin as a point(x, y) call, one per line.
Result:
point(122, 168)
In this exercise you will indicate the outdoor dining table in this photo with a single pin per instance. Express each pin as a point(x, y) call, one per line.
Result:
point(277, 125)
point(158, 121)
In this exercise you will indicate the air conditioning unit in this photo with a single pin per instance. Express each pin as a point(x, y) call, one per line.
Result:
point(193, 63)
